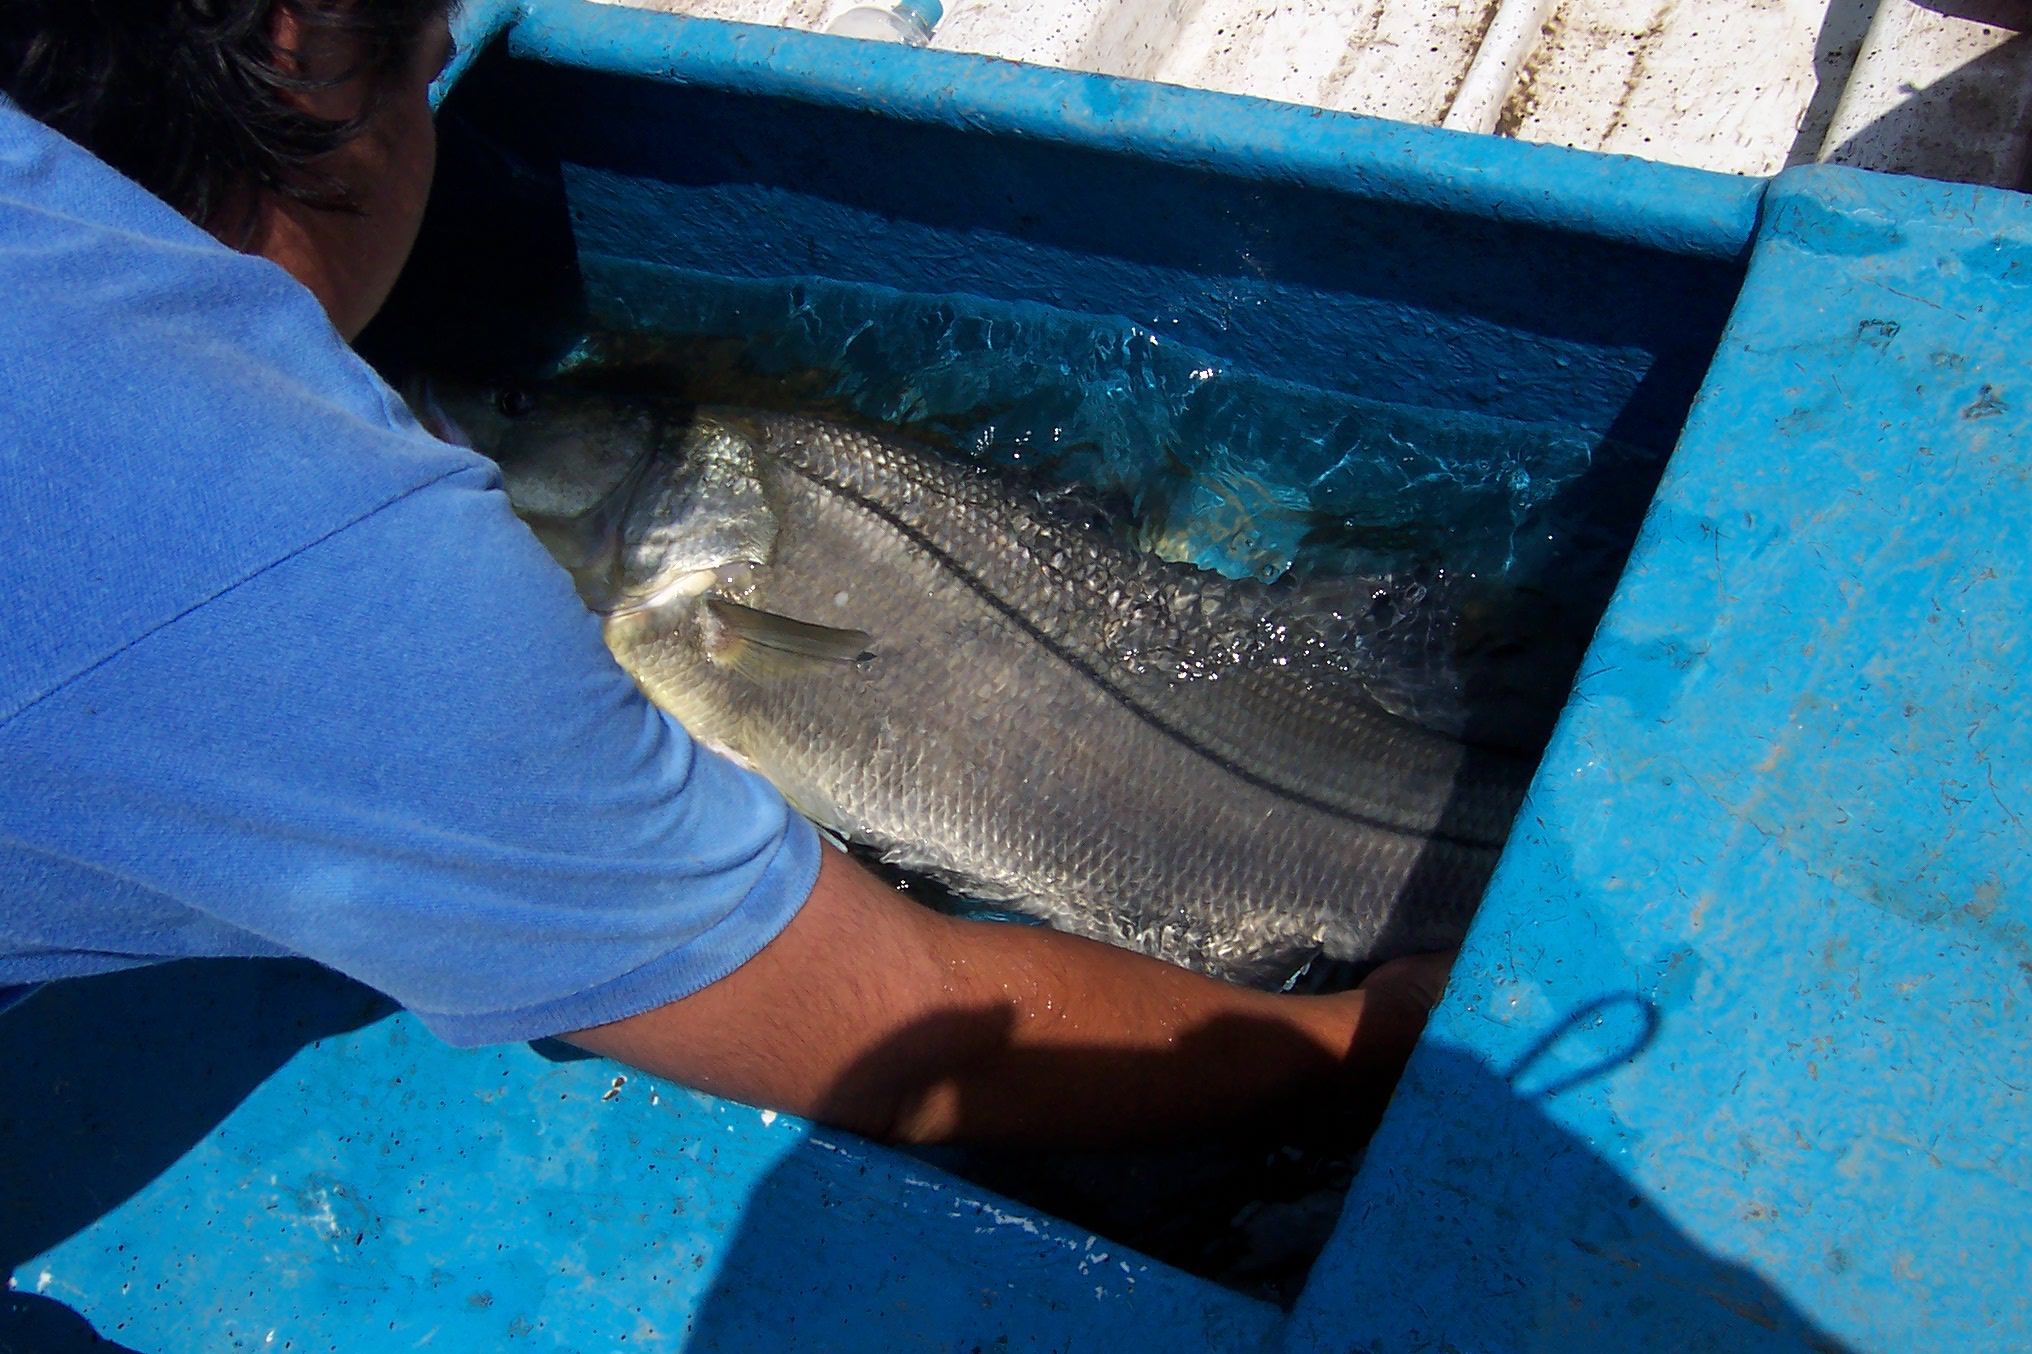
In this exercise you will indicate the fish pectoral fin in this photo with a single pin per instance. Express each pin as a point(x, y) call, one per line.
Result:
point(761, 645)
point(787, 635)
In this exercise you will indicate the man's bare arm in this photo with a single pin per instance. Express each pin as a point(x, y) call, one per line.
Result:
point(876, 1014)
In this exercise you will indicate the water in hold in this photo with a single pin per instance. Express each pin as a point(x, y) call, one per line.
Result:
point(988, 681)
point(1488, 548)
point(1216, 465)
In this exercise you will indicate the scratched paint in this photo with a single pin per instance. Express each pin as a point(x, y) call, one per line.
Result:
point(1712, 1072)
point(1786, 809)
point(383, 1191)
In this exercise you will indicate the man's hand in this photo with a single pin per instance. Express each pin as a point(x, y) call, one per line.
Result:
point(876, 1014)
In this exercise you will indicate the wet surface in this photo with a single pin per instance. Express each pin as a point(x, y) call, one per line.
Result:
point(1518, 530)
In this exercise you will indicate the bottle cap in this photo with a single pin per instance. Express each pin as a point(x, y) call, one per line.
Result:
point(929, 12)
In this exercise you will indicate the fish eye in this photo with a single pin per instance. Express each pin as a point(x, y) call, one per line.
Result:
point(516, 401)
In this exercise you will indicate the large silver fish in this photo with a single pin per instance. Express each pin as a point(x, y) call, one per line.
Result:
point(986, 687)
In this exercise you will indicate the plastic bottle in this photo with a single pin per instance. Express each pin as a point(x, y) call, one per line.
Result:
point(909, 22)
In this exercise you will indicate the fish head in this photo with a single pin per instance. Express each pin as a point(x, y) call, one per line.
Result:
point(698, 522)
point(648, 504)
point(561, 451)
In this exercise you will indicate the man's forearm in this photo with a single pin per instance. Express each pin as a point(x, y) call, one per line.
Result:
point(1048, 1037)
point(876, 1014)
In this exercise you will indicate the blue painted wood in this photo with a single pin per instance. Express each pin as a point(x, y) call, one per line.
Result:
point(1398, 263)
point(474, 25)
point(284, 1165)
point(1656, 206)
point(1736, 1058)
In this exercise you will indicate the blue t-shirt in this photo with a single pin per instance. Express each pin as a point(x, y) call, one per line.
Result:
point(281, 674)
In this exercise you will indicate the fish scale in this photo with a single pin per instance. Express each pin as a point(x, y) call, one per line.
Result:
point(982, 682)
point(1001, 736)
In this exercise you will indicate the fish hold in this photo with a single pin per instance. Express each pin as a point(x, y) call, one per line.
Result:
point(986, 686)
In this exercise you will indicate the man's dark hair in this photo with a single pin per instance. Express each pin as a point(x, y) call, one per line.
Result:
point(191, 98)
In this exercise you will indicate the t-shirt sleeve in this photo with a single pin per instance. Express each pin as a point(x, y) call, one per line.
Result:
point(405, 752)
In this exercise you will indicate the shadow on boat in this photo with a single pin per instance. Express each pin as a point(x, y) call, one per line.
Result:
point(112, 1079)
point(1489, 1208)
point(1562, 1201)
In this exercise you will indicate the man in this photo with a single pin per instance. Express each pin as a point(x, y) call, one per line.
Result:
point(281, 674)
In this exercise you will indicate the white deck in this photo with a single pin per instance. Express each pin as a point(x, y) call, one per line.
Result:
point(1942, 90)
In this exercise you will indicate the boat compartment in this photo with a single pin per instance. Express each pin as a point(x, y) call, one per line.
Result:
point(1706, 1028)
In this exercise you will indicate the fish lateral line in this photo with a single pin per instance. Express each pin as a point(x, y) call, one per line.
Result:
point(1123, 698)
